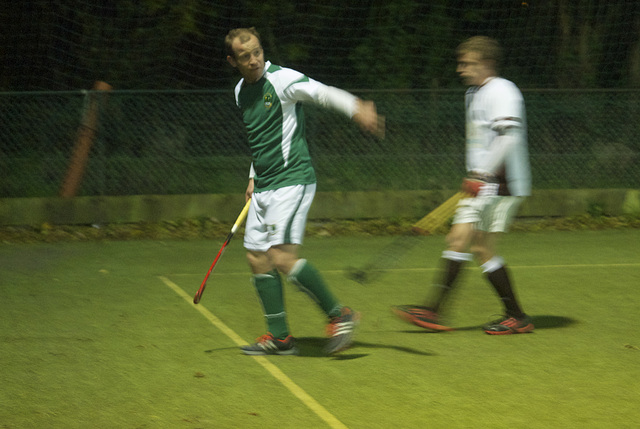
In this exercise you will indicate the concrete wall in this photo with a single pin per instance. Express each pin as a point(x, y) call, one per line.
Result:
point(327, 205)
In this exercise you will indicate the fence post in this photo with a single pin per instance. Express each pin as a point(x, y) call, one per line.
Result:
point(84, 141)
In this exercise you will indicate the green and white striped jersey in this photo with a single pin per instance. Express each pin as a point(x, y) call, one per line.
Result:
point(273, 115)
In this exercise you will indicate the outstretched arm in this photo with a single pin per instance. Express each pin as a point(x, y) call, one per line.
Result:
point(366, 116)
point(362, 112)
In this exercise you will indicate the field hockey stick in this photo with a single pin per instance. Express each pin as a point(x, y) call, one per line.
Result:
point(391, 254)
point(236, 225)
point(439, 216)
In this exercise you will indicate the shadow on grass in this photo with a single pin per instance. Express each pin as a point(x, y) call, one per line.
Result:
point(314, 347)
point(540, 322)
point(552, 322)
point(222, 349)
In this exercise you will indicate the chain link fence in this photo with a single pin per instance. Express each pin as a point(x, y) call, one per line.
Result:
point(193, 142)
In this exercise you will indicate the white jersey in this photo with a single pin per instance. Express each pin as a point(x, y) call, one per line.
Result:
point(495, 114)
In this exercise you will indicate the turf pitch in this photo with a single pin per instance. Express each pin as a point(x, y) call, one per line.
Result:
point(100, 335)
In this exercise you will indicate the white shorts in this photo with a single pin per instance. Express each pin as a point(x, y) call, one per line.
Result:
point(278, 217)
point(489, 214)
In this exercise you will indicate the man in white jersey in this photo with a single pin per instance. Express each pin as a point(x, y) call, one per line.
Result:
point(282, 185)
point(498, 179)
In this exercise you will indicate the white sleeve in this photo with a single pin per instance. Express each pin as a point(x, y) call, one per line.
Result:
point(500, 148)
point(252, 172)
point(506, 113)
point(324, 95)
point(337, 99)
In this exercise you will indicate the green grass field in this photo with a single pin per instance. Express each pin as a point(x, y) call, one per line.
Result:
point(104, 335)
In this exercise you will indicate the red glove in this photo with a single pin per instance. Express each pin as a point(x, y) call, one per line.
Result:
point(481, 185)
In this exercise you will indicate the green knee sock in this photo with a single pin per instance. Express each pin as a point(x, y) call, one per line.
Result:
point(269, 288)
point(309, 280)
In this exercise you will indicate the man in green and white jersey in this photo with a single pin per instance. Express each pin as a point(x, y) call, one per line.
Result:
point(282, 184)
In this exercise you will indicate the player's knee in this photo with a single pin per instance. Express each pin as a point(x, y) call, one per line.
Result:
point(252, 258)
point(456, 243)
point(481, 253)
point(284, 263)
point(459, 237)
point(259, 262)
point(283, 257)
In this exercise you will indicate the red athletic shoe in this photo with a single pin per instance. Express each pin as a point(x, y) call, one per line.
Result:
point(420, 316)
point(509, 325)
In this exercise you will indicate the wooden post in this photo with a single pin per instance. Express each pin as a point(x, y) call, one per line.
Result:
point(84, 141)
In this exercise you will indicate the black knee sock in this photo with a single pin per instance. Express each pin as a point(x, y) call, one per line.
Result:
point(452, 263)
point(498, 276)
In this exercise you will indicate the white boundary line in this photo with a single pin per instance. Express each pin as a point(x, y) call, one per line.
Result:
point(296, 390)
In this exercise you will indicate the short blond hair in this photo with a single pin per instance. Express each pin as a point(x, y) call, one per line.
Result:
point(488, 48)
point(243, 33)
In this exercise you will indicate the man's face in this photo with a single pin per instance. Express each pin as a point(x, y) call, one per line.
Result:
point(473, 70)
point(248, 58)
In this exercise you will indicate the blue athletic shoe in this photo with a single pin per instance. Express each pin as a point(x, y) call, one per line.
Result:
point(267, 345)
point(341, 329)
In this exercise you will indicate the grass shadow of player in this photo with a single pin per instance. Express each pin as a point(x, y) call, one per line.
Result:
point(552, 322)
point(315, 347)
point(539, 322)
